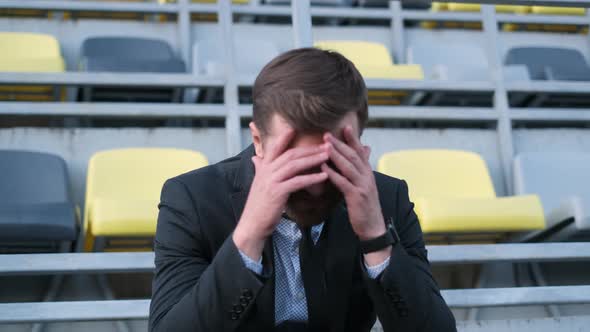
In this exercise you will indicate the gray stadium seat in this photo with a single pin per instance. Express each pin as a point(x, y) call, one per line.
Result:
point(35, 204)
point(459, 63)
point(456, 62)
point(314, 2)
point(549, 63)
point(563, 63)
point(251, 55)
point(406, 4)
point(562, 181)
point(130, 55)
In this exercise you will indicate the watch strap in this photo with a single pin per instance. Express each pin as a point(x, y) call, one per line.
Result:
point(389, 238)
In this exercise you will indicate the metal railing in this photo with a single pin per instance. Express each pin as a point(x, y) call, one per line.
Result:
point(101, 263)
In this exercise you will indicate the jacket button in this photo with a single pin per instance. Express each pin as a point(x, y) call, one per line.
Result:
point(247, 292)
point(238, 308)
point(403, 312)
point(234, 316)
point(244, 301)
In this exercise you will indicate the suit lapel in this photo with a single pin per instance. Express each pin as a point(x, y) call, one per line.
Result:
point(341, 257)
point(265, 313)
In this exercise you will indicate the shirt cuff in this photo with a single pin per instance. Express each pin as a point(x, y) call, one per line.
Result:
point(376, 270)
point(251, 264)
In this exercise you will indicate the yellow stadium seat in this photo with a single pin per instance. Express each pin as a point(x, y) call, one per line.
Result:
point(123, 190)
point(206, 1)
point(205, 16)
point(24, 13)
point(465, 7)
point(29, 52)
point(373, 61)
point(454, 195)
point(549, 10)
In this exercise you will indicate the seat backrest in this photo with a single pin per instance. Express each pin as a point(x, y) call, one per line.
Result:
point(28, 177)
point(553, 176)
point(455, 58)
point(552, 10)
point(136, 173)
point(127, 48)
point(24, 45)
point(361, 53)
point(251, 55)
point(537, 59)
point(440, 173)
point(458, 54)
point(314, 2)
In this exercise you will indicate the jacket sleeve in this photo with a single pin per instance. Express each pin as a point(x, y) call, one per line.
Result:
point(193, 291)
point(406, 296)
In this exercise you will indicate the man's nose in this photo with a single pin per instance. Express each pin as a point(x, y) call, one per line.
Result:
point(316, 190)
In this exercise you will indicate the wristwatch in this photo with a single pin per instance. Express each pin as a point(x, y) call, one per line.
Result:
point(390, 238)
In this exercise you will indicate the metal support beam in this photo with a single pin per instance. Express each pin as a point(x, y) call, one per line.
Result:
point(501, 105)
point(133, 262)
point(184, 32)
point(67, 311)
point(232, 121)
point(301, 19)
point(397, 32)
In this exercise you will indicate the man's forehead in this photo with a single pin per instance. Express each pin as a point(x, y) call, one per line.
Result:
point(279, 125)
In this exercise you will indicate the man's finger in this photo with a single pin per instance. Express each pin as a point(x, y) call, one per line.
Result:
point(354, 157)
point(281, 144)
point(344, 165)
point(298, 166)
point(296, 153)
point(352, 140)
point(301, 181)
point(338, 180)
point(366, 152)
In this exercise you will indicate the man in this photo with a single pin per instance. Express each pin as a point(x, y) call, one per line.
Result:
point(296, 233)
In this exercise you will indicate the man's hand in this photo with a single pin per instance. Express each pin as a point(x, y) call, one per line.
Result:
point(357, 183)
point(277, 176)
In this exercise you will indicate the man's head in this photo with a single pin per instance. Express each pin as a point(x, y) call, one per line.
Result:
point(314, 92)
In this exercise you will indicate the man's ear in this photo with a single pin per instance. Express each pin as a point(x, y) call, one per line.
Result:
point(256, 139)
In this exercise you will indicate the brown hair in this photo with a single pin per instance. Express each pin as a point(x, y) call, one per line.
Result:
point(311, 89)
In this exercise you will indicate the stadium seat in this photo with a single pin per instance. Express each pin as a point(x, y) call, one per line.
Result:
point(561, 180)
point(540, 61)
point(456, 62)
point(314, 2)
point(466, 7)
point(415, 4)
point(455, 199)
point(85, 14)
point(24, 13)
point(36, 210)
point(122, 194)
point(30, 52)
point(206, 1)
point(130, 55)
point(373, 61)
point(250, 55)
point(460, 62)
point(551, 10)
point(549, 63)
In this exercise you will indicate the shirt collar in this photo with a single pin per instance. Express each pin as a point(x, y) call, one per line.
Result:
point(288, 228)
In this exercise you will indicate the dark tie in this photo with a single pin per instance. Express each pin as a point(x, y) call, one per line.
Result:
point(312, 271)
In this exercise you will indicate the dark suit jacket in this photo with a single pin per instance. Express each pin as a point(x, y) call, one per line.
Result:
point(202, 284)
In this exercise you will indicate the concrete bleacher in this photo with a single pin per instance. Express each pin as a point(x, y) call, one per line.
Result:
point(497, 132)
